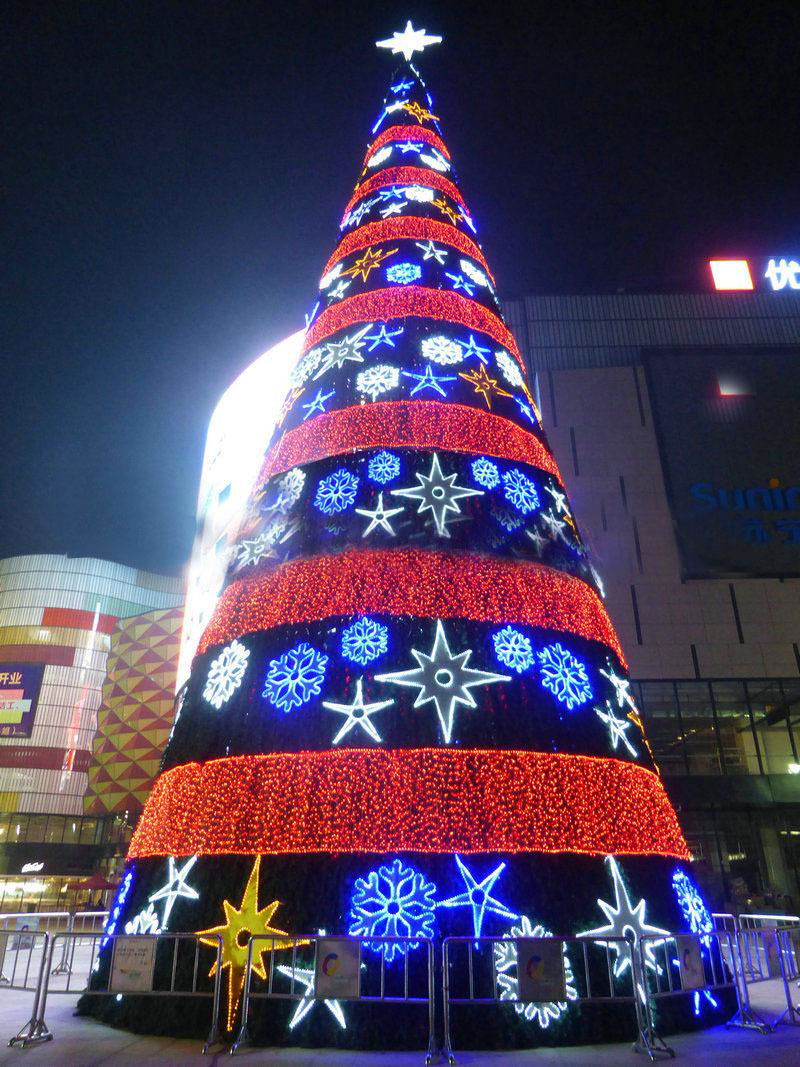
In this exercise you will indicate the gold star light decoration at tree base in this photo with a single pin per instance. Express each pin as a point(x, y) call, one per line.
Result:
point(240, 925)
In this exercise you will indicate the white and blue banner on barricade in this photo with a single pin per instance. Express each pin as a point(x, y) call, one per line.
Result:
point(338, 969)
point(540, 970)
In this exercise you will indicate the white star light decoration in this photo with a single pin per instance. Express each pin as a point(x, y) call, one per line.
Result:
point(358, 713)
point(305, 976)
point(176, 887)
point(444, 679)
point(616, 728)
point(408, 41)
point(439, 494)
point(379, 517)
point(624, 919)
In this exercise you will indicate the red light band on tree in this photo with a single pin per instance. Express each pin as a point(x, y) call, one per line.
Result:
point(382, 305)
point(407, 133)
point(433, 585)
point(409, 227)
point(405, 176)
point(421, 424)
point(417, 800)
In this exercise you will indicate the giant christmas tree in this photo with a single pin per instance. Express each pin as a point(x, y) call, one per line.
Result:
point(410, 713)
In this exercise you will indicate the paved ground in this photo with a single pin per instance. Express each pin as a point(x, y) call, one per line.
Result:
point(81, 1042)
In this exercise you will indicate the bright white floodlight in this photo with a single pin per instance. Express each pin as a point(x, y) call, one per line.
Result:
point(409, 41)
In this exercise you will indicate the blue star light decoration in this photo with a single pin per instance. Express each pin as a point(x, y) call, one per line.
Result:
point(485, 473)
point(478, 896)
point(317, 405)
point(472, 348)
point(564, 675)
point(384, 467)
point(513, 649)
point(365, 640)
point(383, 337)
point(697, 917)
point(520, 491)
point(403, 273)
point(624, 919)
point(393, 901)
point(295, 677)
point(460, 282)
point(337, 492)
point(429, 380)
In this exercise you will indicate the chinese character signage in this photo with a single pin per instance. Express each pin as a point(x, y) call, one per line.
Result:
point(19, 693)
point(776, 274)
point(729, 436)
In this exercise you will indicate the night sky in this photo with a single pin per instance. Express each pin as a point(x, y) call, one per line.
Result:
point(174, 174)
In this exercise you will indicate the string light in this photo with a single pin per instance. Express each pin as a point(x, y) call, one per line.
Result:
point(418, 800)
point(427, 584)
point(381, 305)
point(412, 228)
point(405, 176)
point(420, 424)
point(393, 134)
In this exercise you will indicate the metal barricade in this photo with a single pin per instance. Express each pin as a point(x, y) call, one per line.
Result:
point(750, 921)
point(24, 956)
point(770, 953)
point(170, 973)
point(725, 920)
point(89, 922)
point(694, 965)
point(414, 984)
point(596, 971)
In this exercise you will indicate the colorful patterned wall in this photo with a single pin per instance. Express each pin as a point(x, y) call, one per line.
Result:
point(135, 717)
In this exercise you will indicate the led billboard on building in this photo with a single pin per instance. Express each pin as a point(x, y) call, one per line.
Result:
point(729, 434)
point(19, 693)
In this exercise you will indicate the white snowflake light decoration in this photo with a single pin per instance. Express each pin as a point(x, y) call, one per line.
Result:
point(380, 378)
point(380, 156)
point(420, 194)
point(290, 489)
point(435, 159)
point(474, 273)
point(509, 369)
point(225, 674)
point(442, 350)
point(304, 368)
point(505, 961)
point(146, 922)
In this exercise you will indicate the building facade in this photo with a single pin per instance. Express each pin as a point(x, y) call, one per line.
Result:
point(673, 418)
point(57, 615)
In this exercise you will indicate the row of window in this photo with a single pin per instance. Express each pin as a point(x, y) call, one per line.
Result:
point(16, 828)
point(723, 727)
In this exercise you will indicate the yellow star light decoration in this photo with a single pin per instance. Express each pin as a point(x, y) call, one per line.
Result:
point(370, 261)
point(484, 385)
point(240, 925)
point(418, 112)
point(446, 209)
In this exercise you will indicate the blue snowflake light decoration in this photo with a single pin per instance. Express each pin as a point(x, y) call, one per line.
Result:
point(403, 273)
point(520, 491)
point(485, 473)
point(295, 677)
point(513, 649)
point(365, 640)
point(697, 917)
point(337, 492)
point(393, 901)
point(384, 467)
point(564, 675)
